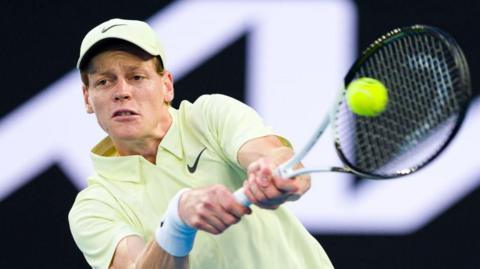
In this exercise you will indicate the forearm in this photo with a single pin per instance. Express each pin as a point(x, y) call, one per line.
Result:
point(279, 155)
point(266, 147)
point(132, 253)
point(170, 248)
point(153, 256)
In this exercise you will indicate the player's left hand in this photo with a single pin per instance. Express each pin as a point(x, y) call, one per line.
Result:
point(267, 190)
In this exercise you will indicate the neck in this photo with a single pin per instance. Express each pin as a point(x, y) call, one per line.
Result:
point(146, 146)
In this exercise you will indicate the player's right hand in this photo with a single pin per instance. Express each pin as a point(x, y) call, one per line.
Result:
point(212, 209)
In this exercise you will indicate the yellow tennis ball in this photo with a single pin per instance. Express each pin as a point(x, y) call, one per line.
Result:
point(367, 97)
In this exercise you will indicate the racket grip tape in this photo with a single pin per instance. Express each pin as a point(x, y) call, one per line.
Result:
point(241, 198)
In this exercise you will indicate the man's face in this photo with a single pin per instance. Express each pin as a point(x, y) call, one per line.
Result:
point(128, 96)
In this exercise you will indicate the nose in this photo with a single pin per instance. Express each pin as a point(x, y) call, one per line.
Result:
point(122, 91)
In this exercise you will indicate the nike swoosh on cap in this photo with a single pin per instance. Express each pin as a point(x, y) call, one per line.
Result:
point(110, 27)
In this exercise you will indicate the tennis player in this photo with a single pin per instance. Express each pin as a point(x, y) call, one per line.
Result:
point(161, 195)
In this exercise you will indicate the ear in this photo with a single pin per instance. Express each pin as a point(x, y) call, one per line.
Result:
point(86, 100)
point(168, 82)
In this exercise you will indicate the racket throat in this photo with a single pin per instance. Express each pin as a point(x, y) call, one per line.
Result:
point(341, 169)
point(290, 173)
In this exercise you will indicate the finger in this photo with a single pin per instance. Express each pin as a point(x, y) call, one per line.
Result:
point(204, 226)
point(225, 220)
point(209, 213)
point(293, 188)
point(200, 223)
point(248, 193)
point(286, 186)
point(231, 207)
point(265, 194)
point(271, 191)
point(254, 166)
point(263, 180)
point(305, 183)
point(257, 192)
point(265, 173)
point(221, 219)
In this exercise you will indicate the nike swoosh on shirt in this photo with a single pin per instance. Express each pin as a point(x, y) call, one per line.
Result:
point(110, 27)
point(192, 168)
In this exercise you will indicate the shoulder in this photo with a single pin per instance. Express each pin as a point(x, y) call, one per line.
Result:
point(96, 210)
point(90, 202)
point(97, 226)
point(212, 102)
point(216, 98)
point(213, 109)
point(94, 191)
point(219, 107)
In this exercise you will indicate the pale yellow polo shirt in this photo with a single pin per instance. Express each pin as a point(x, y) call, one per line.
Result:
point(128, 195)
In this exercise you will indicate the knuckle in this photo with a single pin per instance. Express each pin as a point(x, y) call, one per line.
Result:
point(229, 220)
point(217, 190)
point(196, 223)
point(228, 206)
point(205, 205)
point(206, 228)
point(203, 214)
point(202, 211)
point(271, 194)
point(235, 220)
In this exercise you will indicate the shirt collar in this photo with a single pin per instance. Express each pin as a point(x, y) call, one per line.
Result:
point(107, 163)
point(172, 140)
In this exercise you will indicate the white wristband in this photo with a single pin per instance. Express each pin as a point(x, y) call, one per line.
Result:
point(173, 235)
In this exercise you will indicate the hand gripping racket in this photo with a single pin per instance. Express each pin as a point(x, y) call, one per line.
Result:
point(428, 82)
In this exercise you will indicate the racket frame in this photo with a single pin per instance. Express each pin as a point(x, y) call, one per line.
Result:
point(460, 62)
point(286, 170)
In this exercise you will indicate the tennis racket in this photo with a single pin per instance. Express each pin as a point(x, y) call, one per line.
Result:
point(429, 90)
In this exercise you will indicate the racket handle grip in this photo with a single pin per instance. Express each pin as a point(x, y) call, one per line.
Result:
point(241, 198)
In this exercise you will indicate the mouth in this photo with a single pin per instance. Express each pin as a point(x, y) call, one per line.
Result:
point(124, 113)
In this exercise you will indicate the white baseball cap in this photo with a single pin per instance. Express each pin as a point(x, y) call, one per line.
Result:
point(136, 32)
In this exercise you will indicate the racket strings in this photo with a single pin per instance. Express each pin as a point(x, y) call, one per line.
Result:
point(423, 79)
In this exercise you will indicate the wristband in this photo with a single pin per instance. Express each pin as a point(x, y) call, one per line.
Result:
point(173, 235)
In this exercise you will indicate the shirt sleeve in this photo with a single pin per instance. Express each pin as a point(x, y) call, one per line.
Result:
point(97, 228)
point(230, 122)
